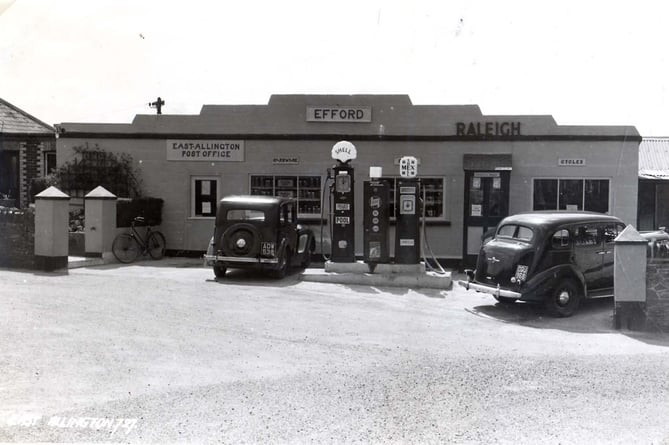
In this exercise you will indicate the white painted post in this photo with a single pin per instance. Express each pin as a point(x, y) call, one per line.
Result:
point(629, 310)
point(100, 214)
point(51, 229)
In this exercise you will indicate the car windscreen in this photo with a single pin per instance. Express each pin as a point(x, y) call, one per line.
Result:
point(245, 215)
point(516, 231)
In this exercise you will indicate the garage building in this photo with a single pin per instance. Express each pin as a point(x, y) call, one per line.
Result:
point(474, 168)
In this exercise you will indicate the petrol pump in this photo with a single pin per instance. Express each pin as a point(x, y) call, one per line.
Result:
point(342, 190)
point(407, 227)
point(376, 194)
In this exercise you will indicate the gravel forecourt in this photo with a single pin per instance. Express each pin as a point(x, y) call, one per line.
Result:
point(160, 352)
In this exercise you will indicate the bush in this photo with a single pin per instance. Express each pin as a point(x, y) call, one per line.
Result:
point(149, 208)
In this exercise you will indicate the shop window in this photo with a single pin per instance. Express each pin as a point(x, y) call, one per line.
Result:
point(49, 162)
point(432, 189)
point(204, 197)
point(307, 190)
point(571, 194)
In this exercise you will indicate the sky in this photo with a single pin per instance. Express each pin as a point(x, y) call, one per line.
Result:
point(583, 62)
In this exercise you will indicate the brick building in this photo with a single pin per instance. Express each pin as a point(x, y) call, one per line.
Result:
point(27, 151)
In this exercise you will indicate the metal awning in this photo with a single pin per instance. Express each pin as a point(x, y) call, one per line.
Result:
point(486, 161)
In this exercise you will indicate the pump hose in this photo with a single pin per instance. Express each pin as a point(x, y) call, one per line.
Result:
point(325, 187)
point(439, 270)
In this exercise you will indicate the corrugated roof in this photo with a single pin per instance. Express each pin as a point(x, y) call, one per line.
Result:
point(654, 158)
point(14, 121)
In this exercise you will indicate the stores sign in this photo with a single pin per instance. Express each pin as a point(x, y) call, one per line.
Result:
point(214, 150)
point(579, 162)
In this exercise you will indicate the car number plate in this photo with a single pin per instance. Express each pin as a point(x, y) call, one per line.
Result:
point(267, 249)
point(521, 272)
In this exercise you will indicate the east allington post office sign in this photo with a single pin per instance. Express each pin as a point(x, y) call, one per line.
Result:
point(211, 150)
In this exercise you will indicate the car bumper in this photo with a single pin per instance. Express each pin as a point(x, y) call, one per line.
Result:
point(493, 290)
point(210, 260)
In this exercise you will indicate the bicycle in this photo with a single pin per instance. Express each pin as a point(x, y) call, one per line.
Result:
point(127, 246)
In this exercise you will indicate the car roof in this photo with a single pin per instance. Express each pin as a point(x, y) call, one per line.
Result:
point(553, 218)
point(255, 200)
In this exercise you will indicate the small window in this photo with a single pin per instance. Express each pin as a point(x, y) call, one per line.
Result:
point(524, 233)
point(507, 231)
point(204, 197)
point(245, 215)
point(585, 236)
point(287, 214)
point(560, 239)
point(517, 232)
point(611, 232)
point(49, 162)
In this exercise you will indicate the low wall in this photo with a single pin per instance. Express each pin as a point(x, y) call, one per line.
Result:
point(657, 295)
point(17, 242)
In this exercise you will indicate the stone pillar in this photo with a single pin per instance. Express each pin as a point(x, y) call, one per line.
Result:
point(629, 278)
point(51, 229)
point(100, 214)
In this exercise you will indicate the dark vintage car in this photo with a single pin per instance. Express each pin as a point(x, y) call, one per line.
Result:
point(259, 232)
point(556, 258)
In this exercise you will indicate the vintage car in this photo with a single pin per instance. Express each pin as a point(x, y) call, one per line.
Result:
point(260, 232)
point(556, 258)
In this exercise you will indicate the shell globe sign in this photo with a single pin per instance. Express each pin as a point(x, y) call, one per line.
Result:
point(344, 151)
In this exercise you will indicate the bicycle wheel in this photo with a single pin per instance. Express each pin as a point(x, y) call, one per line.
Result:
point(156, 245)
point(125, 248)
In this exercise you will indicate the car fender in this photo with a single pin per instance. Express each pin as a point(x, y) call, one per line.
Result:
point(305, 242)
point(540, 284)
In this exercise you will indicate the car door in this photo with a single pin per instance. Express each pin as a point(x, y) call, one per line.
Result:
point(586, 255)
point(287, 224)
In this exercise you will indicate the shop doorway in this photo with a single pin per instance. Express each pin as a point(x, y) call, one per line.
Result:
point(486, 203)
point(9, 178)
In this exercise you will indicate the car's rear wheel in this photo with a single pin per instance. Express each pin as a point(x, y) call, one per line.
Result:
point(565, 299)
point(219, 270)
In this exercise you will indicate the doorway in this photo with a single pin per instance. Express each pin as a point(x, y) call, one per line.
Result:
point(9, 178)
point(486, 204)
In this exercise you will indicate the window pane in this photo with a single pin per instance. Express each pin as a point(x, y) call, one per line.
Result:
point(597, 195)
point(433, 190)
point(571, 194)
point(205, 197)
point(545, 194)
point(245, 215)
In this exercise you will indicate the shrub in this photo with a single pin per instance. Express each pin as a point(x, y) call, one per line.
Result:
point(149, 208)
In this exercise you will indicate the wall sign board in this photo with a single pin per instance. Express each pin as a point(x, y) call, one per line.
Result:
point(339, 114)
point(213, 150)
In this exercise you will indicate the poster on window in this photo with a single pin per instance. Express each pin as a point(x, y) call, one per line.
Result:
point(496, 183)
point(206, 188)
point(476, 210)
point(206, 208)
point(476, 183)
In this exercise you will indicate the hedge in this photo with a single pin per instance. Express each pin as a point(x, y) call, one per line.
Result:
point(150, 208)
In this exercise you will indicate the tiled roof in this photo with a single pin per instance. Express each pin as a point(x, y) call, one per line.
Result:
point(654, 158)
point(14, 121)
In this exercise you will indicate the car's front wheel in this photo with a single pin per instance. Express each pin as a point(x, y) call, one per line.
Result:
point(564, 300)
